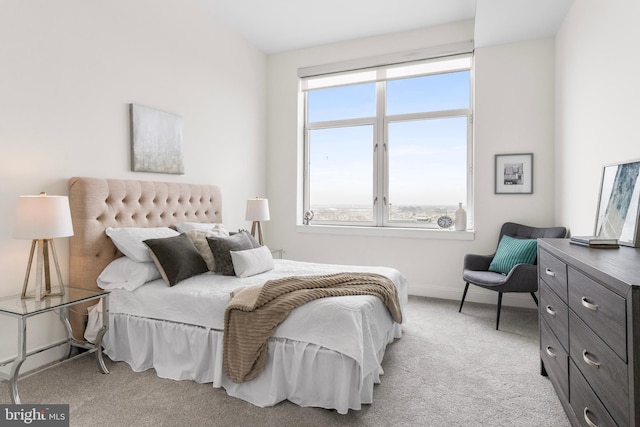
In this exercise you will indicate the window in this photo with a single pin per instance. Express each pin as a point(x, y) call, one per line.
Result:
point(389, 146)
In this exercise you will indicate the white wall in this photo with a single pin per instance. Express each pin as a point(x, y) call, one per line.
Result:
point(597, 92)
point(514, 114)
point(70, 68)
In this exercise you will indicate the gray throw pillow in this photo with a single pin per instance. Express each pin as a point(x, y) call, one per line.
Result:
point(252, 239)
point(221, 248)
point(176, 258)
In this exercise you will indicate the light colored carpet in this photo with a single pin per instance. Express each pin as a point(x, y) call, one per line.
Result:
point(449, 369)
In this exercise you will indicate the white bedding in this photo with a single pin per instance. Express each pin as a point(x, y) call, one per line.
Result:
point(201, 300)
point(358, 327)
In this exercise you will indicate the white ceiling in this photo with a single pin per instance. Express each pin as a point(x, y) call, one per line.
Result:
point(281, 25)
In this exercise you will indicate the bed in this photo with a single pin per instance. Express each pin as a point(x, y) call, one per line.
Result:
point(326, 353)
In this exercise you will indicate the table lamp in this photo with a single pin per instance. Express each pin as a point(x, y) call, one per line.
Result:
point(41, 219)
point(257, 211)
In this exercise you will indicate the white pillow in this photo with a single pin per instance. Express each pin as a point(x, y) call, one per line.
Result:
point(202, 226)
point(124, 273)
point(129, 240)
point(252, 261)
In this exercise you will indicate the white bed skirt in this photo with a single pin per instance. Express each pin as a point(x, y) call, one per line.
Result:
point(303, 373)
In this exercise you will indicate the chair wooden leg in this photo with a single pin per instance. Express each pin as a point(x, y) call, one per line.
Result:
point(464, 295)
point(499, 306)
point(534, 297)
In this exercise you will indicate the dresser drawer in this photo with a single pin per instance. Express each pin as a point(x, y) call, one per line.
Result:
point(555, 359)
point(604, 370)
point(554, 273)
point(585, 404)
point(601, 309)
point(556, 313)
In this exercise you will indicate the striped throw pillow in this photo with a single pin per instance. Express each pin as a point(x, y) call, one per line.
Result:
point(511, 252)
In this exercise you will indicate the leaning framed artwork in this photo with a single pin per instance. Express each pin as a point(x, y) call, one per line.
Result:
point(618, 211)
point(514, 173)
point(156, 141)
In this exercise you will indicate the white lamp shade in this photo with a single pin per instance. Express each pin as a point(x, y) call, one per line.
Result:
point(257, 210)
point(42, 217)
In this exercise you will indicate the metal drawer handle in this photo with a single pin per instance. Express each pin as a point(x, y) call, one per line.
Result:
point(588, 304)
point(550, 310)
point(548, 272)
point(586, 418)
point(550, 351)
point(589, 360)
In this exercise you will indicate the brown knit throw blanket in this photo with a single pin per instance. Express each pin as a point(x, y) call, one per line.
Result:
point(254, 313)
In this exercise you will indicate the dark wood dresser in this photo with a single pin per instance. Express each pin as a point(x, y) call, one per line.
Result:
point(589, 315)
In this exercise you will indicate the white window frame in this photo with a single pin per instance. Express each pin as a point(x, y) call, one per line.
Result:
point(380, 125)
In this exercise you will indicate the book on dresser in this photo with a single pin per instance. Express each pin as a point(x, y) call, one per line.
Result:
point(595, 241)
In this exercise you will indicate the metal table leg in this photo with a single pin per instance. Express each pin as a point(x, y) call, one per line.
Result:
point(17, 363)
point(98, 343)
point(64, 318)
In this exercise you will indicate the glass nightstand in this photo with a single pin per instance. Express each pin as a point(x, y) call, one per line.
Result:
point(277, 253)
point(22, 309)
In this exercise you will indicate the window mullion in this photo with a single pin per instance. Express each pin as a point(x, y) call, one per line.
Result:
point(341, 123)
point(305, 171)
point(380, 172)
point(430, 115)
point(305, 153)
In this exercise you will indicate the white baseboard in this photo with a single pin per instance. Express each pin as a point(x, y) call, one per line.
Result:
point(475, 294)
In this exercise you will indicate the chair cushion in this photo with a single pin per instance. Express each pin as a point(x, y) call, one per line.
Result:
point(485, 279)
point(511, 252)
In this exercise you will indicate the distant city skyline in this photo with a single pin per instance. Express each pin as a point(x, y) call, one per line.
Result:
point(414, 213)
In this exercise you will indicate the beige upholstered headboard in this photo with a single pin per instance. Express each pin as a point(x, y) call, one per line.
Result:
point(98, 203)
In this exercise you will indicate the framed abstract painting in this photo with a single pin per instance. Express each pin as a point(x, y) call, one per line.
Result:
point(618, 203)
point(156, 141)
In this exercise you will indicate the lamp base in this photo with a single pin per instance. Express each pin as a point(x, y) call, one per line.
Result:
point(43, 268)
point(258, 225)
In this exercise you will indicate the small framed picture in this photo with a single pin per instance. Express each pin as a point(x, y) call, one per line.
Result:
point(514, 173)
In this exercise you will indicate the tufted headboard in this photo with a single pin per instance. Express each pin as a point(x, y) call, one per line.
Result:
point(98, 203)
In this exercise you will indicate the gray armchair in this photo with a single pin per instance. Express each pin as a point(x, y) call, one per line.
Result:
point(521, 278)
